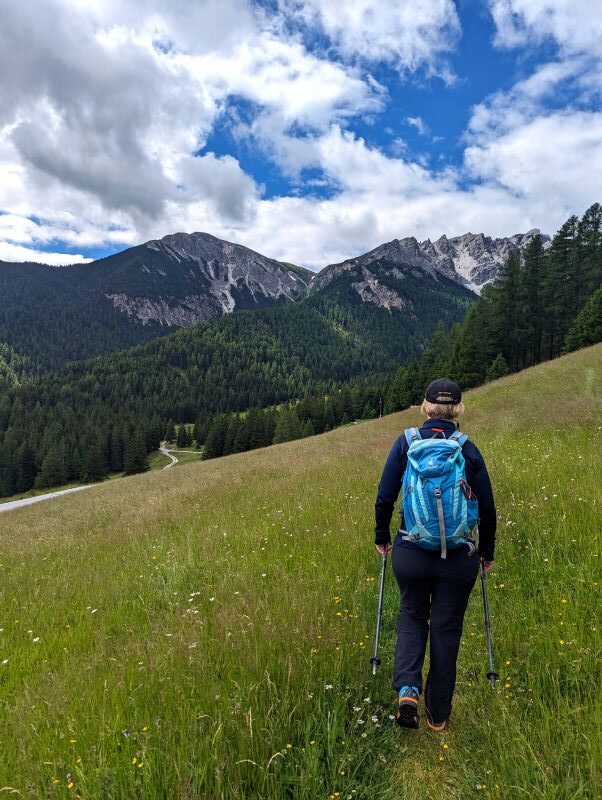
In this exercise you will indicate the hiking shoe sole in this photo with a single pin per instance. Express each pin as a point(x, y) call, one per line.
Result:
point(407, 714)
point(436, 726)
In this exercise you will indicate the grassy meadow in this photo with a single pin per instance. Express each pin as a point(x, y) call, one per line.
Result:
point(205, 632)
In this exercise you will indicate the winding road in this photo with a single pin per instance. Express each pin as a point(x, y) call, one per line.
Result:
point(163, 449)
point(28, 501)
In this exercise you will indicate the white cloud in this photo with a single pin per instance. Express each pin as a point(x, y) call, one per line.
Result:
point(419, 124)
point(14, 252)
point(108, 102)
point(566, 169)
point(576, 25)
point(408, 35)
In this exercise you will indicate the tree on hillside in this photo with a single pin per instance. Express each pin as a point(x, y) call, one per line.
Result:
point(587, 327)
point(532, 309)
point(53, 472)
point(116, 455)
point(170, 431)
point(497, 369)
point(94, 466)
point(216, 437)
point(476, 346)
point(135, 458)
point(288, 426)
point(25, 468)
point(589, 234)
point(183, 437)
point(559, 288)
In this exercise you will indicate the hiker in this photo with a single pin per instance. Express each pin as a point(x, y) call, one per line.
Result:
point(435, 571)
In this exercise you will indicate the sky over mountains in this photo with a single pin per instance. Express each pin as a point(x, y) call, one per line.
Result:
point(306, 132)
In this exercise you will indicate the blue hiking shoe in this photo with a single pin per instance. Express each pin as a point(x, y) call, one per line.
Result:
point(407, 709)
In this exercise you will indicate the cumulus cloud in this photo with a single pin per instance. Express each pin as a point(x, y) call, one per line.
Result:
point(576, 25)
point(109, 102)
point(106, 125)
point(407, 35)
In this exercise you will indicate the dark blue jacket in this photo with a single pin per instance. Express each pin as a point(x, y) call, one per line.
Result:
point(476, 476)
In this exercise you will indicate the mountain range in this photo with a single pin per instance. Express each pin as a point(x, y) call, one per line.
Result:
point(51, 315)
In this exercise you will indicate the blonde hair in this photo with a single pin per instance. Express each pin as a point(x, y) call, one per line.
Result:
point(442, 410)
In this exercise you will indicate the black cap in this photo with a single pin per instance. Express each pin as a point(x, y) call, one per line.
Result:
point(443, 392)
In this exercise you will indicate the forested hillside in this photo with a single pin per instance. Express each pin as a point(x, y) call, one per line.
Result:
point(46, 320)
point(67, 425)
point(545, 302)
point(334, 350)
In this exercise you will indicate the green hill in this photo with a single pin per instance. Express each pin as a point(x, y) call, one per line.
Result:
point(205, 632)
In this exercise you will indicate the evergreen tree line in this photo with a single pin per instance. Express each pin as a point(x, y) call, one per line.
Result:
point(546, 301)
point(44, 457)
point(248, 360)
point(234, 433)
point(48, 319)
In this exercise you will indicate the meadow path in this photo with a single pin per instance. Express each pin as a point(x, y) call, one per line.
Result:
point(163, 449)
point(27, 501)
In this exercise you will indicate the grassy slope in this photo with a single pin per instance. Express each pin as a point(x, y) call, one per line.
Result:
point(193, 621)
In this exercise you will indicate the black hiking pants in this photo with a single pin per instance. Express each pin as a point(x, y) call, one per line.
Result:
point(436, 589)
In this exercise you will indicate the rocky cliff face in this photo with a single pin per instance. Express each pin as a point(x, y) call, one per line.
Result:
point(472, 259)
point(187, 278)
point(477, 258)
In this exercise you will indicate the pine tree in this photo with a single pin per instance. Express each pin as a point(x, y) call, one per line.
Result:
point(53, 472)
point(135, 458)
point(476, 346)
point(507, 318)
point(533, 310)
point(497, 369)
point(589, 236)
point(170, 431)
point(26, 469)
point(182, 436)
point(587, 327)
point(558, 290)
point(308, 429)
point(94, 467)
point(435, 360)
point(234, 425)
point(395, 393)
point(216, 437)
point(116, 458)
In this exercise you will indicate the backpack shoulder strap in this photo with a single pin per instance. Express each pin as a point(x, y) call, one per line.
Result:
point(412, 435)
point(459, 437)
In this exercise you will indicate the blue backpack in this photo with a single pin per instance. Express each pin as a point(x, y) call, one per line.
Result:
point(439, 508)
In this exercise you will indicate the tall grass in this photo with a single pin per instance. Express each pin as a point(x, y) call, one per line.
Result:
point(205, 632)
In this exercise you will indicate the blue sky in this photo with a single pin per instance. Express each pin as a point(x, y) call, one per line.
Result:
point(307, 133)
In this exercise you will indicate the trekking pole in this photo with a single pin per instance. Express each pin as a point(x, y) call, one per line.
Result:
point(492, 674)
point(375, 660)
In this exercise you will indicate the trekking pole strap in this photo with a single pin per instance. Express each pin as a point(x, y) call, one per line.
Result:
point(441, 517)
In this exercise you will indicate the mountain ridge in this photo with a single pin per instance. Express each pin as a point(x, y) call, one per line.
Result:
point(471, 259)
point(50, 315)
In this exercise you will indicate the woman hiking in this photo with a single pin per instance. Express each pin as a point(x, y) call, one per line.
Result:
point(434, 557)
